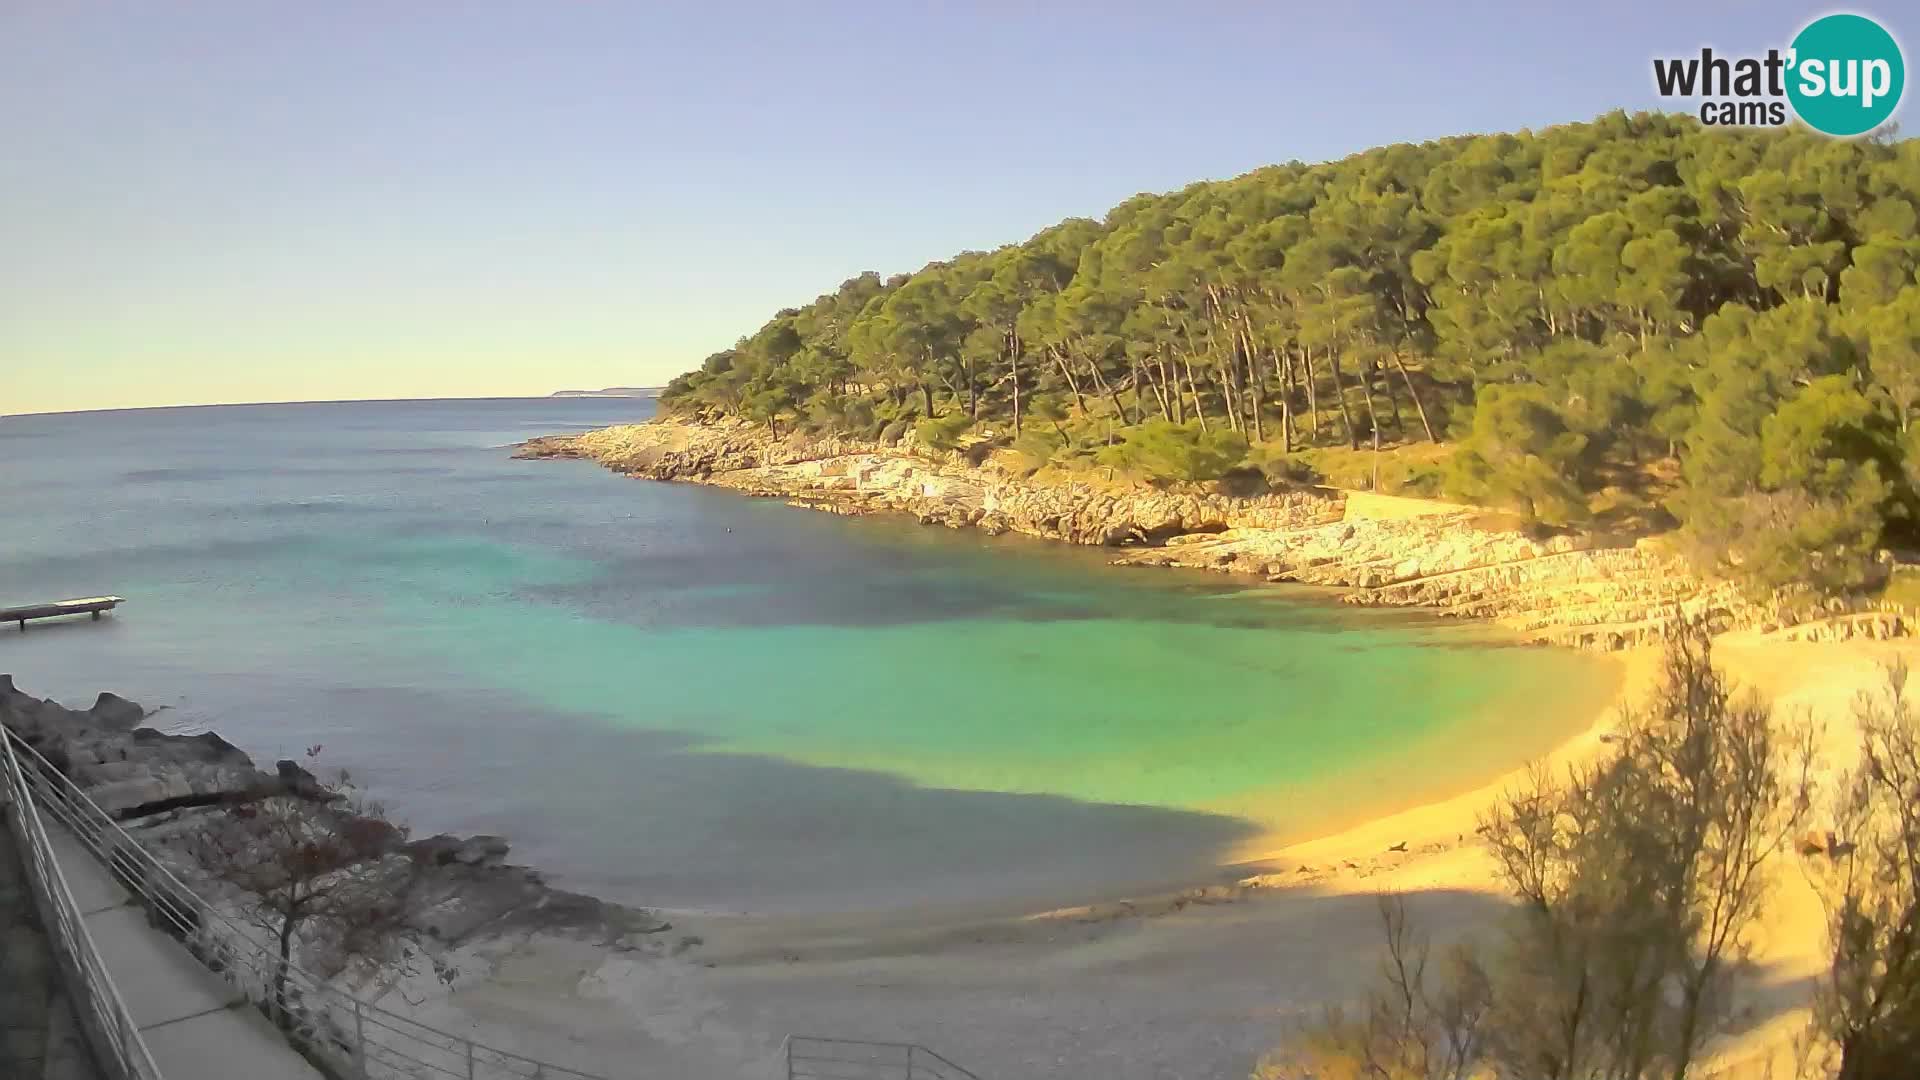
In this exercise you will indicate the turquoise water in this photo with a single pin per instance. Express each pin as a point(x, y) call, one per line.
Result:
point(685, 698)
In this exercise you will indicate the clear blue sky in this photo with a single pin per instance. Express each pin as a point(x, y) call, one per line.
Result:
point(234, 201)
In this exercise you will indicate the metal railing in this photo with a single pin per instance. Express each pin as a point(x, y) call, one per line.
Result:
point(346, 1036)
point(811, 1057)
point(118, 1050)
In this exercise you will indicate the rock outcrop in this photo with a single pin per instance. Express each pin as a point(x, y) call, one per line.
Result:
point(161, 787)
point(1583, 591)
point(849, 476)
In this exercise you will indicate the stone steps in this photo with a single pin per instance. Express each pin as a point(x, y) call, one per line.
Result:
point(1608, 637)
point(1872, 625)
point(1571, 600)
point(1602, 598)
point(1518, 574)
point(1617, 612)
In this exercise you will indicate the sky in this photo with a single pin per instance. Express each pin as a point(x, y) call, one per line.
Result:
point(257, 201)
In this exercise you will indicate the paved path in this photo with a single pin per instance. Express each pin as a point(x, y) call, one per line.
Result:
point(195, 1023)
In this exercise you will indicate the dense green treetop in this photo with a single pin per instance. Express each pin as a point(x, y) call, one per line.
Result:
point(1722, 323)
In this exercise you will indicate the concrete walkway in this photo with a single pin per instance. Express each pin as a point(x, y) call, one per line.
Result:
point(194, 1023)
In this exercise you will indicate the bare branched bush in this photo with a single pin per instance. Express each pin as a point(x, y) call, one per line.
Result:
point(318, 866)
point(1638, 879)
point(1867, 1010)
point(1641, 875)
point(1413, 1027)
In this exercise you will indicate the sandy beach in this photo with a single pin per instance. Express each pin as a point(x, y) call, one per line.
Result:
point(1193, 984)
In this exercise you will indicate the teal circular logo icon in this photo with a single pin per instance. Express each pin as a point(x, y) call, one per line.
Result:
point(1846, 76)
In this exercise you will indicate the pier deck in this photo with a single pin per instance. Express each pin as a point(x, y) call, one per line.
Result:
point(86, 605)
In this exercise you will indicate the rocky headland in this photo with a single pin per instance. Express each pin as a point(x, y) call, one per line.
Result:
point(1584, 590)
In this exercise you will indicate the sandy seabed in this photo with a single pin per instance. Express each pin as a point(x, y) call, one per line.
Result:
point(1197, 984)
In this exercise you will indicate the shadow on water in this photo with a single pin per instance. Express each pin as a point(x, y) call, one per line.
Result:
point(653, 818)
point(720, 560)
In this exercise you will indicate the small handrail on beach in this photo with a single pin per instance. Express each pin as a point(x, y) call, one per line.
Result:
point(811, 1057)
point(85, 605)
point(355, 1038)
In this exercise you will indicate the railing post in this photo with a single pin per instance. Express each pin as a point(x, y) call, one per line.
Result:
point(469, 1059)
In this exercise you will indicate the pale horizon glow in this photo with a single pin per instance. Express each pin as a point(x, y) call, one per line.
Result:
point(234, 202)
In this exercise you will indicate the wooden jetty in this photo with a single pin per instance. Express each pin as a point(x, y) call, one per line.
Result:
point(85, 605)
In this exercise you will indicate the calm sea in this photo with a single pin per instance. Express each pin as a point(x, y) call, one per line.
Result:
point(685, 698)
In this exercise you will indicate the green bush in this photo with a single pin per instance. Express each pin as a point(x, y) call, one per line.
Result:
point(1178, 451)
point(1283, 469)
point(943, 432)
point(831, 413)
point(1521, 456)
point(1038, 446)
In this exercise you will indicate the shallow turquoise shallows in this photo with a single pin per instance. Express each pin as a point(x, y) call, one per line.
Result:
point(684, 698)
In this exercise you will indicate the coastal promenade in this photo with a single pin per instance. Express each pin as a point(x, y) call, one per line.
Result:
point(111, 960)
point(92, 987)
point(184, 991)
point(194, 1023)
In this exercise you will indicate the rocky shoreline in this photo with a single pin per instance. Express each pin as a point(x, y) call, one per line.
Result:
point(1580, 590)
point(163, 788)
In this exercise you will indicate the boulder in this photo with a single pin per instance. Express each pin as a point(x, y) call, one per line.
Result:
point(115, 713)
point(295, 780)
point(481, 851)
point(153, 784)
point(436, 850)
point(445, 849)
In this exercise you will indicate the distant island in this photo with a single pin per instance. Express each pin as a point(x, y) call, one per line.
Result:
point(612, 391)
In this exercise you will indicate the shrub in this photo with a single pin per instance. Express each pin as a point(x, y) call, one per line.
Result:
point(1640, 879)
point(1522, 456)
point(942, 432)
point(1037, 446)
point(1181, 451)
point(1867, 1009)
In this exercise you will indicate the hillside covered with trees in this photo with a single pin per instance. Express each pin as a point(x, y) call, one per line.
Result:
point(1638, 319)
